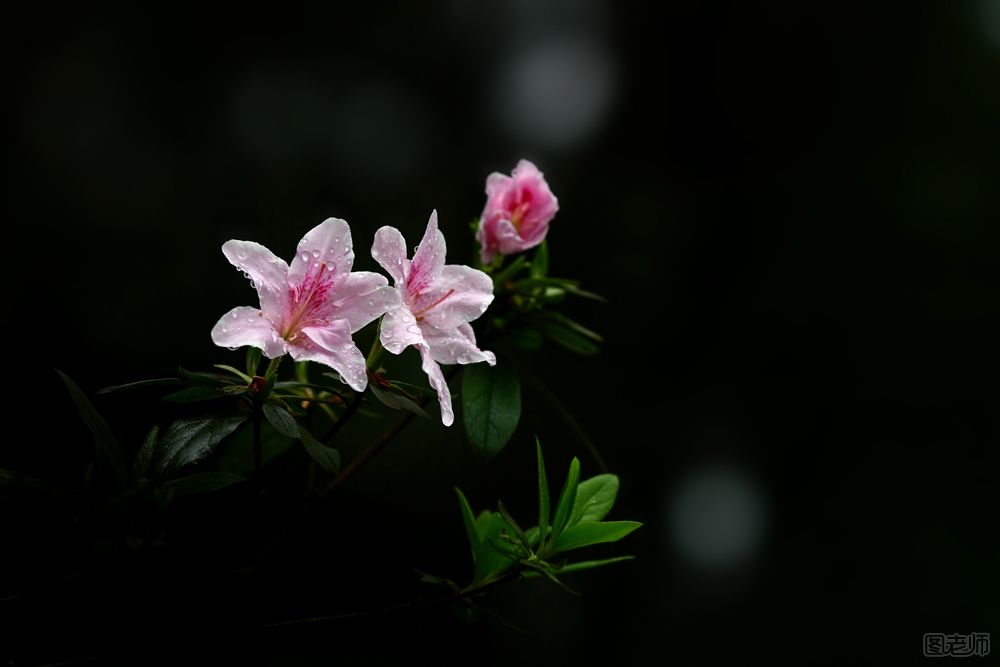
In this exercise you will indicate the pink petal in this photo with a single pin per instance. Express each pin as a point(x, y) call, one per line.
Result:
point(507, 240)
point(526, 169)
point(326, 249)
point(389, 250)
point(428, 260)
point(399, 330)
point(436, 379)
point(455, 346)
point(487, 248)
point(268, 273)
point(333, 346)
point(362, 298)
point(248, 326)
point(497, 184)
point(461, 293)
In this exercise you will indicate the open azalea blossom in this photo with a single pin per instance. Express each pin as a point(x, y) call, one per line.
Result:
point(436, 303)
point(517, 212)
point(309, 309)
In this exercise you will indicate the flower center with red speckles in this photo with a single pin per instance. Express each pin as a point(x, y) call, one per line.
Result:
point(308, 299)
point(419, 314)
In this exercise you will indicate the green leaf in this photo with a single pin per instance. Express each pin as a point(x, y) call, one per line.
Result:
point(253, 360)
point(105, 440)
point(11, 480)
point(238, 373)
point(509, 518)
point(544, 506)
point(567, 498)
point(281, 420)
point(145, 456)
point(202, 378)
point(142, 384)
point(526, 338)
point(540, 262)
point(585, 534)
point(194, 395)
point(189, 440)
point(491, 404)
point(591, 564)
point(490, 561)
point(328, 458)
point(397, 401)
point(202, 483)
point(575, 326)
point(569, 339)
point(594, 499)
point(469, 519)
point(506, 274)
point(580, 566)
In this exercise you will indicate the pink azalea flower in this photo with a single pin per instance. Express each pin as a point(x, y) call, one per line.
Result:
point(309, 309)
point(437, 302)
point(517, 212)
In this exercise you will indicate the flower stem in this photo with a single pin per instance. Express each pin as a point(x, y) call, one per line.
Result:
point(272, 367)
point(375, 354)
point(258, 447)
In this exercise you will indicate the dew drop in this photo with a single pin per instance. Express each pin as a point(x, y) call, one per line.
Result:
point(235, 315)
point(315, 253)
point(304, 256)
point(250, 320)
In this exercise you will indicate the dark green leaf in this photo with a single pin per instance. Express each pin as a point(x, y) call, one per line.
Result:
point(569, 339)
point(594, 499)
point(202, 483)
point(281, 420)
point(105, 440)
point(575, 326)
point(471, 530)
point(491, 404)
point(253, 360)
point(145, 456)
point(585, 534)
point(397, 401)
point(591, 564)
point(210, 379)
point(527, 338)
point(189, 440)
point(238, 373)
point(544, 506)
point(328, 458)
point(142, 384)
point(567, 498)
point(11, 480)
point(194, 395)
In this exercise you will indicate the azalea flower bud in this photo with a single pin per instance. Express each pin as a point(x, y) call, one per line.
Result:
point(517, 212)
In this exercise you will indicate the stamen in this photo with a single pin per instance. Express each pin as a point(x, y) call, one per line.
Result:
point(418, 314)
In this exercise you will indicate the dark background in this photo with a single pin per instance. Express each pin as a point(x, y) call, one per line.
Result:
point(792, 210)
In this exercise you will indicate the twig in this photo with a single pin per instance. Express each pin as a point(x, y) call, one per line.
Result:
point(351, 410)
point(414, 605)
point(567, 416)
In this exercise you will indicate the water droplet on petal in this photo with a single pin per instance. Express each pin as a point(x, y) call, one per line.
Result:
point(304, 256)
point(315, 253)
point(235, 315)
point(250, 320)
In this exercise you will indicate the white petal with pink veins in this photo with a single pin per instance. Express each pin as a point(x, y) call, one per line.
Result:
point(248, 326)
